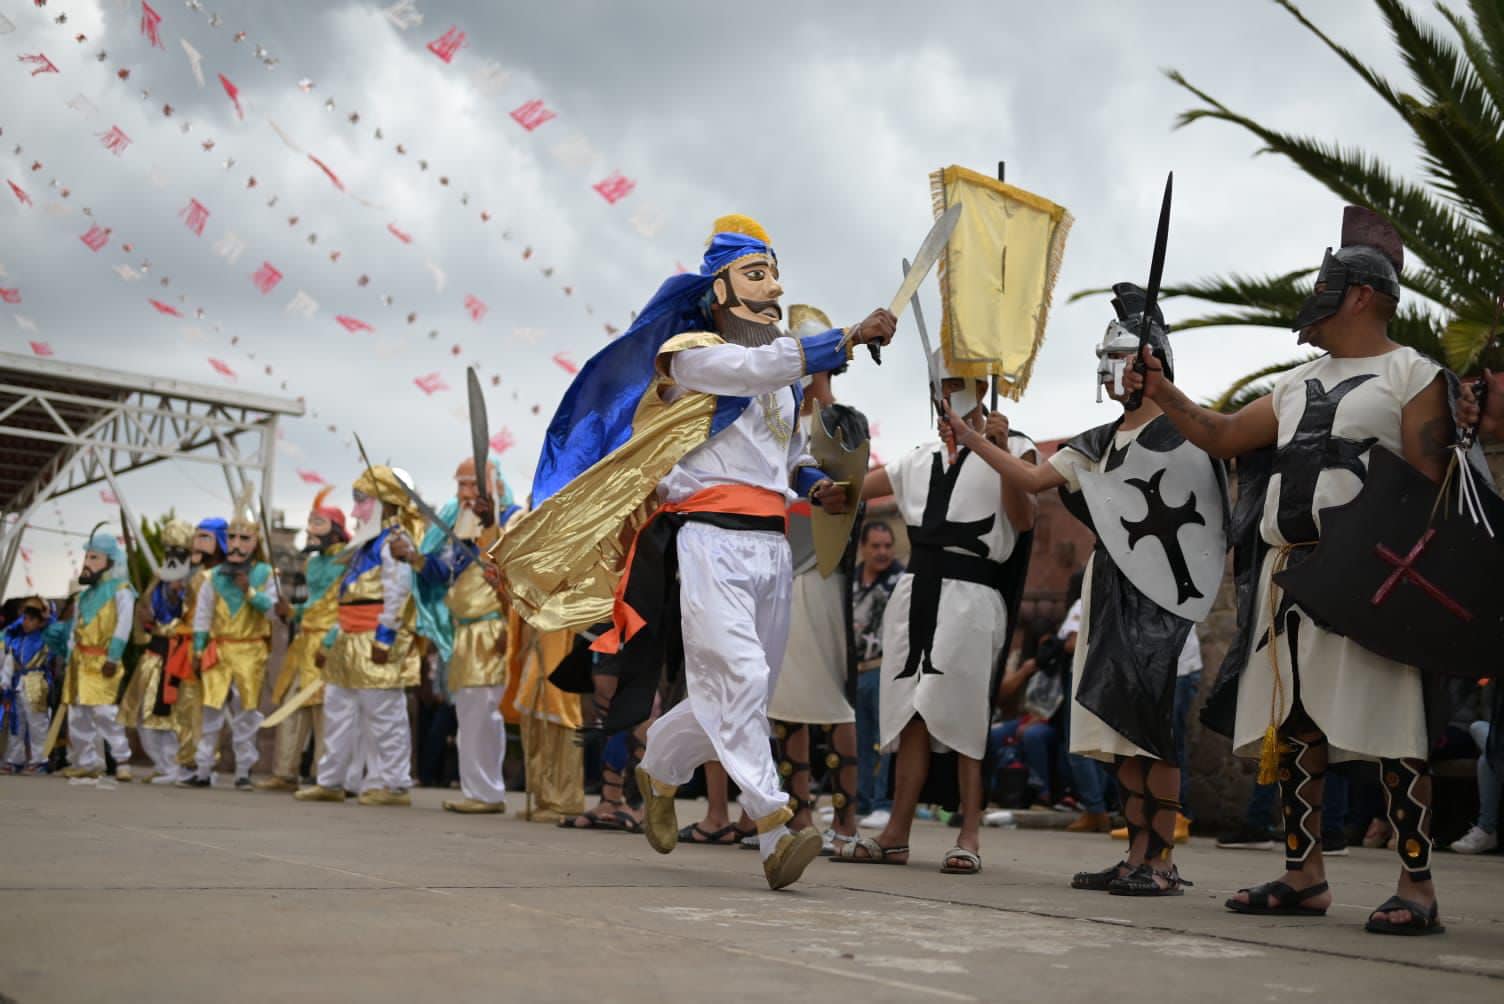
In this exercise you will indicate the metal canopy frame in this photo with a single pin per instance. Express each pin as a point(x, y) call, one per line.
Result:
point(65, 427)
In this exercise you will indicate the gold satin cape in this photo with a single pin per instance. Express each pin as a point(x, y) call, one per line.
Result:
point(997, 276)
point(562, 560)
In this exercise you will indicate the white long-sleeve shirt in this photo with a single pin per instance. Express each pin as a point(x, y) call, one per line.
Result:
point(396, 585)
point(765, 444)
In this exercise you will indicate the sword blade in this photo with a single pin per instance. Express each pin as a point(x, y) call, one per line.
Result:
point(480, 435)
point(1157, 262)
point(924, 341)
point(428, 513)
point(925, 257)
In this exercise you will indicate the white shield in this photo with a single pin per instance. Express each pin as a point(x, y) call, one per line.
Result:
point(1162, 516)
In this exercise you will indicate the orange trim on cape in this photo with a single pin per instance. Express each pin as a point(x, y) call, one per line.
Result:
point(744, 500)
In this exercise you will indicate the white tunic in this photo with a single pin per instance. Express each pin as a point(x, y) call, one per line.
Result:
point(1090, 736)
point(1367, 706)
point(970, 624)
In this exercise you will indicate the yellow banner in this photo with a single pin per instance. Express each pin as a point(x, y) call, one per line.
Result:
point(997, 276)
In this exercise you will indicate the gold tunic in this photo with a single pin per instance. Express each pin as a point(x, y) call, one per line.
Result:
point(87, 684)
point(480, 632)
point(350, 664)
point(300, 665)
point(141, 693)
point(188, 710)
point(242, 643)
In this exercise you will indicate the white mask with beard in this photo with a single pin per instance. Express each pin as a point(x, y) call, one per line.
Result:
point(177, 565)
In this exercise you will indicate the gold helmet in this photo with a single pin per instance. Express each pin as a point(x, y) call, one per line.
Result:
point(177, 533)
point(243, 517)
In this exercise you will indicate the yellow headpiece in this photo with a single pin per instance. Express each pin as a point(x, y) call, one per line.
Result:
point(382, 483)
point(243, 513)
point(177, 533)
point(739, 224)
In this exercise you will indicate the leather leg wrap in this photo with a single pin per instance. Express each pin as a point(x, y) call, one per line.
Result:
point(1408, 815)
point(840, 798)
point(1134, 829)
point(1159, 846)
point(1296, 772)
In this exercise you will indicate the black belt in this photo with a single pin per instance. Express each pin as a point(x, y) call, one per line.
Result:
point(928, 562)
point(931, 566)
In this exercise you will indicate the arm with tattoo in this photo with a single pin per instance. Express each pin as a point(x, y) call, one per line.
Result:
point(1222, 436)
point(1427, 431)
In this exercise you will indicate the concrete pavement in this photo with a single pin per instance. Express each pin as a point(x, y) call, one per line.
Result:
point(138, 892)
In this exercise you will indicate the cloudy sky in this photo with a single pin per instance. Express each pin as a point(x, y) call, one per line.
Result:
point(821, 120)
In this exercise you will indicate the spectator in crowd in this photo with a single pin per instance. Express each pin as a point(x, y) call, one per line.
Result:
point(871, 586)
point(1089, 776)
point(1484, 834)
point(1029, 694)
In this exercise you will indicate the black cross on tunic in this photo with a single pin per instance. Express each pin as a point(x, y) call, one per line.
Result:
point(1299, 463)
point(937, 532)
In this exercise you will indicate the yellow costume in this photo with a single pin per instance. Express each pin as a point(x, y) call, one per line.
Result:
point(102, 622)
point(549, 719)
point(188, 709)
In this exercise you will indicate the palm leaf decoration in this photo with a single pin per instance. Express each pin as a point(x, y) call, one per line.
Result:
point(1451, 218)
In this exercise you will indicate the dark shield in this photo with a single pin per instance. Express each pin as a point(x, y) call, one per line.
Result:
point(1421, 591)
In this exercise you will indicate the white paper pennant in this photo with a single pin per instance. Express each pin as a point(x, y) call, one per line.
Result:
point(404, 14)
point(229, 247)
point(440, 280)
point(195, 60)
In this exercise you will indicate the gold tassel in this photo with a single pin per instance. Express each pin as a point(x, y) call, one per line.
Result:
point(1269, 757)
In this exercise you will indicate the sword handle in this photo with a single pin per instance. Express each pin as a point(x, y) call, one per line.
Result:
point(877, 352)
point(1469, 435)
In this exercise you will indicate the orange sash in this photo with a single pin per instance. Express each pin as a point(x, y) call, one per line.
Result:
point(359, 618)
point(741, 499)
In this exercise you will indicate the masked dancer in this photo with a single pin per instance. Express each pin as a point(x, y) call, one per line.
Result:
point(232, 631)
point(313, 617)
point(691, 418)
point(1292, 692)
point(102, 619)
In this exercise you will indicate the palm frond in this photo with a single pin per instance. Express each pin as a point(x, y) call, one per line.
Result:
point(1433, 231)
point(1242, 390)
point(1362, 69)
point(1490, 74)
point(1460, 128)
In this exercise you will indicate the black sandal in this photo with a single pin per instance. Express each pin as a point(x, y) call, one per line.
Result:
point(1287, 900)
point(726, 836)
point(1141, 882)
point(1098, 881)
point(1421, 922)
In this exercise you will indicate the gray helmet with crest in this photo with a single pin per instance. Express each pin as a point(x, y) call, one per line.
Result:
point(1121, 340)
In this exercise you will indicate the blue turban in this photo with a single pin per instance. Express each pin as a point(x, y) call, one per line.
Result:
point(218, 527)
point(595, 415)
point(107, 545)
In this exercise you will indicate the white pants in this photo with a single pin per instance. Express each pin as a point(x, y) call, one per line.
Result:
point(375, 720)
point(88, 724)
point(161, 745)
point(244, 725)
point(482, 742)
point(31, 726)
point(735, 588)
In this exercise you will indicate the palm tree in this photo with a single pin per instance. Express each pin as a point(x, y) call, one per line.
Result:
point(1452, 220)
